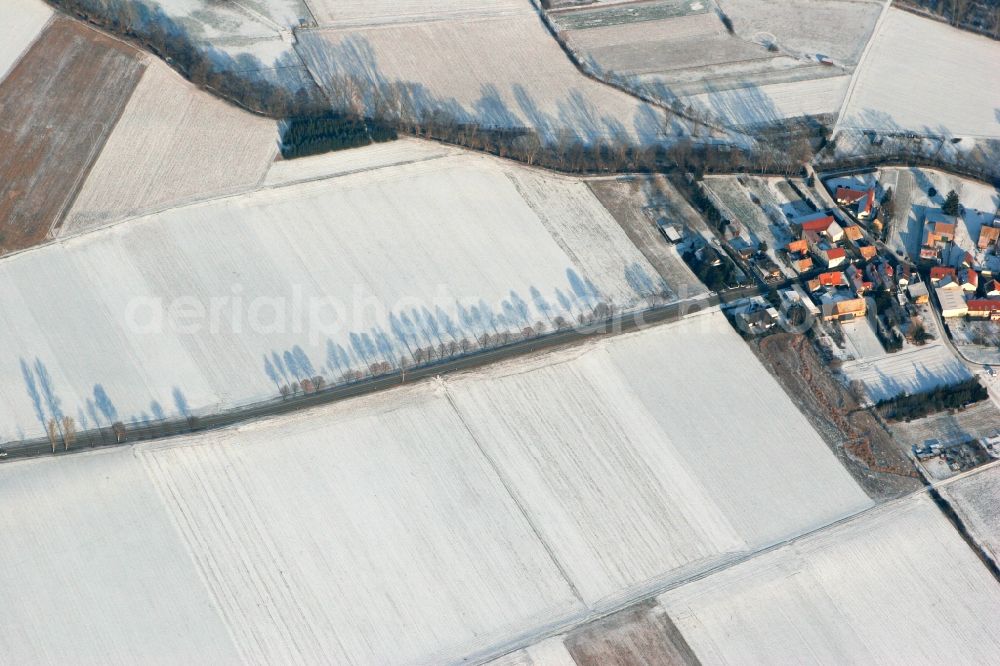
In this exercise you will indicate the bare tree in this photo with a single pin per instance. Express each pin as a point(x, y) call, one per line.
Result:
point(68, 432)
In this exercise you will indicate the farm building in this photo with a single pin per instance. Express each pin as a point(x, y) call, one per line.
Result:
point(952, 301)
point(992, 288)
point(984, 308)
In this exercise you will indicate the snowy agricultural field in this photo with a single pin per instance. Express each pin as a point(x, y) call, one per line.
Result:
point(861, 340)
point(913, 370)
point(836, 29)
point(224, 302)
point(88, 537)
point(371, 12)
point(354, 160)
point(978, 341)
point(173, 144)
point(693, 59)
point(376, 531)
point(501, 72)
point(897, 585)
point(763, 104)
point(979, 420)
point(630, 472)
point(975, 497)
point(457, 518)
point(21, 21)
point(925, 77)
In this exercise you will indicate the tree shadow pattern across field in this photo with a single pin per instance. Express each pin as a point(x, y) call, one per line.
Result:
point(410, 338)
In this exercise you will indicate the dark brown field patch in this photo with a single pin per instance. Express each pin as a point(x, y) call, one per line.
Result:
point(57, 107)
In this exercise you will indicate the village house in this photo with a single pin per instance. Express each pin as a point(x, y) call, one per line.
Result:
point(833, 257)
point(866, 207)
point(939, 273)
point(831, 279)
point(969, 280)
point(989, 236)
point(939, 231)
point(854, 233)
point(846, 196)
point(918, 292)
point(992, 288)
point(823, 225)
point(846, 309)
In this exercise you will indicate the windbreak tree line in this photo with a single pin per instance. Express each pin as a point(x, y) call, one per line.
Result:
point(321, 133)
point(956, 396)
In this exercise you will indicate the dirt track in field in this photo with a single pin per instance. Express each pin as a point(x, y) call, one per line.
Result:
point(57, 107)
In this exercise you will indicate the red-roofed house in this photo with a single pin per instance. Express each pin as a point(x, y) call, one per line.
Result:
point(992, 288)
point(832, 279)
point(867, 205)
point(845, 196)
point(854, 232)
point(984, 308)
point(988, 236)
point(969, 279)
point(868, 252)
point(798, 246)
point(834, 256)
point(938, 273)
point(825, 225)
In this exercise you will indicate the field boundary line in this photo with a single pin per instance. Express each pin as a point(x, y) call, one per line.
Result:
point(518, 502)
point(860, 67)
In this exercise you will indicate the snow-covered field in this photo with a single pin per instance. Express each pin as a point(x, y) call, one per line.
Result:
point(763, 104)
point(736, 77)
point(219, 303)
point(638, 424)
point(502, 72)
point(837, 29)
point(926, 77)
point(979, 420)
point(914, 370)
point(897, 585)
point(369, 12)
point(88, 537)
point(453, 518)
point(20, 23)
point(975, 497)
point(173, 144)
point(861, 340)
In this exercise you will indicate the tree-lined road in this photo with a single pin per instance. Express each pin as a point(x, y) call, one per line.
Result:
point(615, 325)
